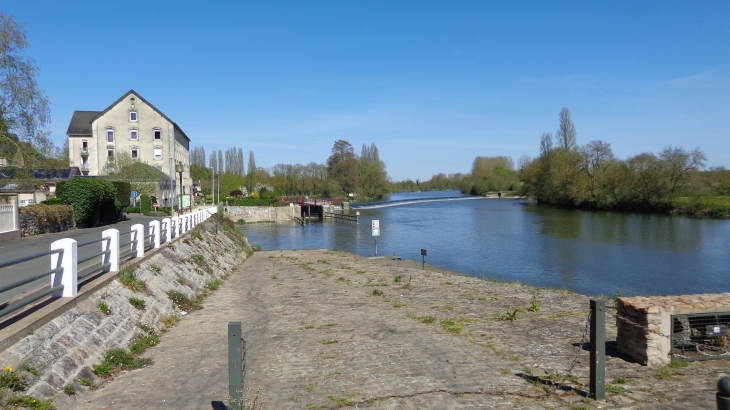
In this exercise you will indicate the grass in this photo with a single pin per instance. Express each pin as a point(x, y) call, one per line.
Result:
point(180, 281)
point(214, 284)
point(427, 319)
point(181, 301)
point(376, 292)
point(12, 380)
point(155, 269)
point(447, 307)
point(534, 304)
point(617, 390)
point(619, 380)
point(399, 304)
point(718, 205)
point(85, 382)
point(69, 390)
point(663, 374)
point(675, 364)
point(29, 402)
point(138, 304)
point(398, 279)
point(342, 401)
point(451, 326)
point(510, 316)
point(28, 368)
point(171, 320)
point(129, 280)
point(117, 360)
point(328, 341)
point(104, 307)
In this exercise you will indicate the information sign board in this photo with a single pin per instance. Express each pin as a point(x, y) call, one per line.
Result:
point(376, 227)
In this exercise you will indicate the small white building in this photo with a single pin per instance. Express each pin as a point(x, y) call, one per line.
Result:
point(132, 125)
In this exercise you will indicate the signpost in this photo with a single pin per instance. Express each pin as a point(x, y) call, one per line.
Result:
point(155, 206)
point(376, 233)
point(134, 197)
point(423, 256)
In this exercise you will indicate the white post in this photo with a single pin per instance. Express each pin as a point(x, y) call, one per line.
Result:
point(155, 232)
point(112, 245)
point(138, 241)
point(173, 227)
point(168, 234)
point(68, 261)
point(180, 225)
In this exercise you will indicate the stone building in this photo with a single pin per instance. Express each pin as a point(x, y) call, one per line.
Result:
point(134, 126)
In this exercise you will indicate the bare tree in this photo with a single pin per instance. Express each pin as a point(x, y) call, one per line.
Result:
point(566, 135)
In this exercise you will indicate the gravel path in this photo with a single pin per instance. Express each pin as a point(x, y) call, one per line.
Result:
point(330, 329)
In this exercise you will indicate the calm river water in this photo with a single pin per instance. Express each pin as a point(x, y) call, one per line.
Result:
point(589, 252)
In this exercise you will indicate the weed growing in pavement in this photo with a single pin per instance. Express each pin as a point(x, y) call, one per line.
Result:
point(427, 319)
point(214, 284)
point(376, 292)
point(323, 261)
point(619, 380)
point(171, 320)
point(180, 281)
point(663, 374)
point(138, 304)
point(399, 304)
point(451, 326)
point(117, 360)
point(510, 316)
point(28, 368)
point(181, 301)
point(104, 307)
point(675, 364)
point(12, 380)
point(534, 304)
point(398, 279)
point(129, 280)
point(328, 341)
point(447, 307)
point(343, 401)
point(310, 388)
point(29, 402)
point(69, 390)
point(617, 390)
point(155, 269)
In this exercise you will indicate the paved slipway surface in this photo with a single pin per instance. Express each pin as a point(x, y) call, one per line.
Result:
point(329, 329)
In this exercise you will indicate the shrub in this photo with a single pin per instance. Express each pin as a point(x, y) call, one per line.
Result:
point(92, 199)
point(236, 193)
point(52, 201)
point(49, 218)
point(146, 203)
point(116, 360)
point(123, 192)
point(183, 302)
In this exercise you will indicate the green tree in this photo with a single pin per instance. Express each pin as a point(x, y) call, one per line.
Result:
point(342, 166)
point(373, 176)
point(143, 178)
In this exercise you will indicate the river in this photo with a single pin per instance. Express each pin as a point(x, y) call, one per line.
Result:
point(590, 252)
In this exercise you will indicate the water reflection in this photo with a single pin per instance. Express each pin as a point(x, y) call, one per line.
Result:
point(590, 252)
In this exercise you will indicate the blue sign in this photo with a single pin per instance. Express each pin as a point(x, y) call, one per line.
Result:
point(134, 194)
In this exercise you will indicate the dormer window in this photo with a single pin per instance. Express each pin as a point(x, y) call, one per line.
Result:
point(132, 116)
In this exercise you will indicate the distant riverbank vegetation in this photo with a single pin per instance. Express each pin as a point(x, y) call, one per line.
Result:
point(345, 174)
point(591, 177)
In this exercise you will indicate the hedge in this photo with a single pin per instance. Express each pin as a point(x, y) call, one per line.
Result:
point(124, 192)
point(146, 203)
point(92, 199)
point(41, 218)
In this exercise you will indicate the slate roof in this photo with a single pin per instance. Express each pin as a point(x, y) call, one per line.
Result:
point(81, 122)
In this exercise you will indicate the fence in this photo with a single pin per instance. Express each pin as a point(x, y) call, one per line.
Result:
point(66, 269)
point(8, 217)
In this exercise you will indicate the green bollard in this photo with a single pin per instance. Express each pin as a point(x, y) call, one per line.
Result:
point(723, 393)
point(598, 350)
point(235, 365)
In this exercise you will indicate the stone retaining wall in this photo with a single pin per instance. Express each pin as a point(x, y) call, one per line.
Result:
point(650, 342)
point(263, 213)
point(66, 349)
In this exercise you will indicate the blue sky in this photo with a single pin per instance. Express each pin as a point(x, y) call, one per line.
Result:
point(432, 84)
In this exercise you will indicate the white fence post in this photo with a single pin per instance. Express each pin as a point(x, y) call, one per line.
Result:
point(166, 224)
point(138, 241)
point(112, 245)
point(181, 225)
point(155, 232)
point(68, 261)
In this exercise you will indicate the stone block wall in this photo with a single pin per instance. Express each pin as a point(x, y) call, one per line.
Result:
point(66, 349)
point(644, 324)
point(263, 213)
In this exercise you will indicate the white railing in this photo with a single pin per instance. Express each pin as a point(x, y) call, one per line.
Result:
point(8, 217)
point(64, 272)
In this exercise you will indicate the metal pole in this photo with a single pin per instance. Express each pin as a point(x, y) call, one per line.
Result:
point(235, 365)
point(179, 207)
point(376, 246)
point(598, 350)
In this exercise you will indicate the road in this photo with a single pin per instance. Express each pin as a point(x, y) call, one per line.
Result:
point(42, 243)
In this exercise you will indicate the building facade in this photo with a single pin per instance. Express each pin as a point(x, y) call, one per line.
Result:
point(134, 126)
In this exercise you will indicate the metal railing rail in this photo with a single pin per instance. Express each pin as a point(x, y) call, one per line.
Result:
point(66, 268)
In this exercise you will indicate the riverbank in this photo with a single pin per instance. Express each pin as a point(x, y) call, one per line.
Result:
point(328, 329)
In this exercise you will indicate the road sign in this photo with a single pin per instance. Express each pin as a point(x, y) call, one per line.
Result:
point(134, 194)
point(376, 228)
point(154, 205)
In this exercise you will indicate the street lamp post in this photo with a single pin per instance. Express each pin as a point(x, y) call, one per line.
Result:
point(179, 169)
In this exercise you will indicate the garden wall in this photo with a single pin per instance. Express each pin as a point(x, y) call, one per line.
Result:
point(65, 349)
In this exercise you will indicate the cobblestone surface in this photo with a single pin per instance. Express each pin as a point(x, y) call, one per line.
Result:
point(329, 329)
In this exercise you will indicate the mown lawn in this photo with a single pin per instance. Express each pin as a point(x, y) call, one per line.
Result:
point(718, 205)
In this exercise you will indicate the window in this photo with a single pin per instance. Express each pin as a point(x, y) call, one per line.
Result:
point(133, 134)
point(158, 152)
point(133, 116)
point(110, 135)
point(158, 134)
point(134, 152)
point(110, 154)
point(84, 146)
point(159, 167)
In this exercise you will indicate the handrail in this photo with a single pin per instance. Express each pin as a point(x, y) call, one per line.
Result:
point(93, 269)
point(90, 242)
point(28, 300)
point(27, 258)
point(28, 280)
point(94, 256)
